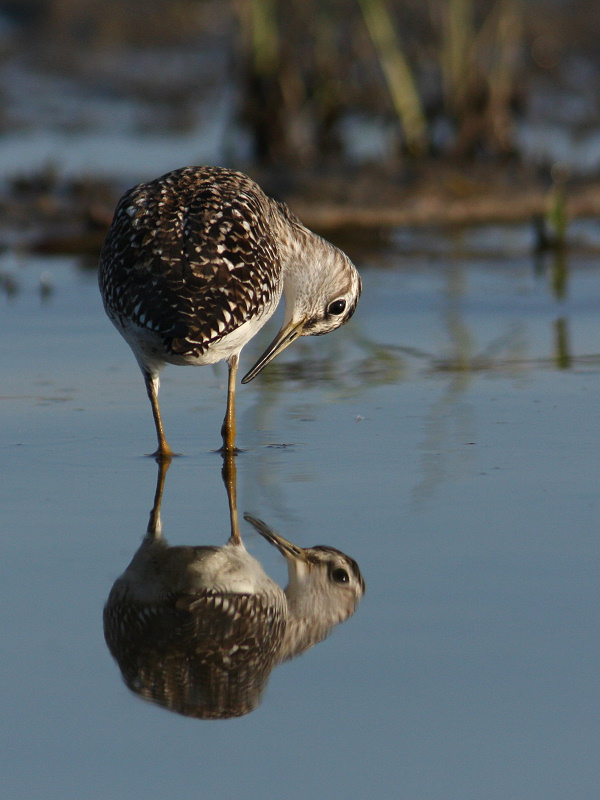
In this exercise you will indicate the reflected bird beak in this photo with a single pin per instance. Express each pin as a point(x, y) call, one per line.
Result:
point(286, 548)
point(285, 337)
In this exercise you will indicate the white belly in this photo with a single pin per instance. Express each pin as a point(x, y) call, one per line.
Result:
point(148, 347)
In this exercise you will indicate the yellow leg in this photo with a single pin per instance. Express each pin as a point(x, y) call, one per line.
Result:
point(164, 451)
point(228, 428)
point(154, 524)
point(229, 479)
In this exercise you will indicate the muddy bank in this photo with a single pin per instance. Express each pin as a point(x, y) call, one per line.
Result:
point(51, 214)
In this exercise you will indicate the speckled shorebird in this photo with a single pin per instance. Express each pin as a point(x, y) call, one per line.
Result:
point(199, 629)
point(195, 263)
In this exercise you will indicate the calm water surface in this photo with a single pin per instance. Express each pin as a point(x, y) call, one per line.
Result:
point(447, 439)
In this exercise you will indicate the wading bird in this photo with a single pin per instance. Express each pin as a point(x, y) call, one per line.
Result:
point(195, 263)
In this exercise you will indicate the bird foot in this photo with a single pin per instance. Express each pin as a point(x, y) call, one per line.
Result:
point(228, 451)
point(163, 456)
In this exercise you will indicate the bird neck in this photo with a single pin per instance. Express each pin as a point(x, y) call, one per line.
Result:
point(303, 256)
point(311, 614)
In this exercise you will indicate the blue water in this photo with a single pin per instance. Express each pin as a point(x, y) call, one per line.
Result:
point(447, 438)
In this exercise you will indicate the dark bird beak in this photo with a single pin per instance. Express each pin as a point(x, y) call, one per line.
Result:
point(288, 333)
point(286, 548)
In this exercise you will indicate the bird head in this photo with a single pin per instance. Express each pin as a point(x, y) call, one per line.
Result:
point(321, 290)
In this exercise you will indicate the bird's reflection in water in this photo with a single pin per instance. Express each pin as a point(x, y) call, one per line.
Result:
point(199, 629)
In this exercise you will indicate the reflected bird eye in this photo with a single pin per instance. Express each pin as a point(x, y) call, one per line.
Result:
point(340, 575)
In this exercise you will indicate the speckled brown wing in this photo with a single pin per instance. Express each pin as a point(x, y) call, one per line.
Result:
point(191, 256)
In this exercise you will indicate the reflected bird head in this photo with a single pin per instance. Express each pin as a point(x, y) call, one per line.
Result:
point(325, 587)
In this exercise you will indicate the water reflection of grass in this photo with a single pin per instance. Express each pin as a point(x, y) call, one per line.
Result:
point(361, 363)
point(358, 362)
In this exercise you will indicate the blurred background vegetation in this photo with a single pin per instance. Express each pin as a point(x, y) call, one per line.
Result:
point(324, 90)
point(444, 77)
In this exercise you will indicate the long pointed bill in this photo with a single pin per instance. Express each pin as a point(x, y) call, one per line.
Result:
point(285, 337)
point(287, 549)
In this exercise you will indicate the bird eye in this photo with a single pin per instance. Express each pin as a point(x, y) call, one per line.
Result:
point(340, 575)
point(337, 307)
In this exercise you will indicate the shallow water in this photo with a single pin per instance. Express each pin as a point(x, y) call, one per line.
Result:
point(447, 439)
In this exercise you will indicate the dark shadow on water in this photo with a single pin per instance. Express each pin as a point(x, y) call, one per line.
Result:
point(198, 629)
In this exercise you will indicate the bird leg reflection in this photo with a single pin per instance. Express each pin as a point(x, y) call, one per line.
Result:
point(155, 523)
point(228, 428)
point(229, 474)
